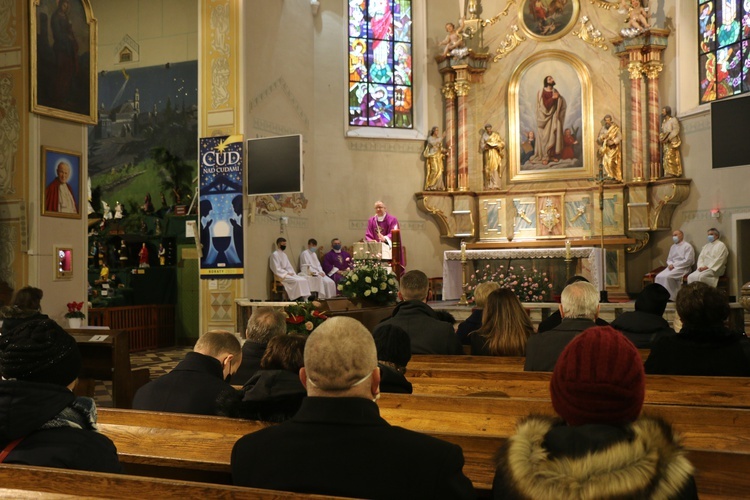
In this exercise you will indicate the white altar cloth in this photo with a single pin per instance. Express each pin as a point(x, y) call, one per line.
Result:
point(592, 265)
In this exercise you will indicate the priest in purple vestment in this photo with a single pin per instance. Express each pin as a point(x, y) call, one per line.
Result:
point(336, 262)
point(381, 224)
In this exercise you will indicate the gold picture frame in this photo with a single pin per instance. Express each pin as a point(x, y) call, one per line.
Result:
point(547, 21)
point(570, 130)
point(62, 180)
point(63, 38)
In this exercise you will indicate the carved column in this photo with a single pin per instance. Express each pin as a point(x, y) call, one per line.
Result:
point(449, 95)
point(462, 91)
point(635, 69)
point(653, 69)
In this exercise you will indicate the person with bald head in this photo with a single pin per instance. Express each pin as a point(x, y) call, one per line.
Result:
point(679, 263)
point(381, 225)
point(337, 443)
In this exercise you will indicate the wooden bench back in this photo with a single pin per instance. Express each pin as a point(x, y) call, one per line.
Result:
point(22, 481)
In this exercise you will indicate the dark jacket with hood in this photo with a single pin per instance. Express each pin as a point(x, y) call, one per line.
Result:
point(194, 386)
point(701, 350)
point(642, 328)
point(270, 395)
point(427, 333)
point(548, 459)
point(58, 428)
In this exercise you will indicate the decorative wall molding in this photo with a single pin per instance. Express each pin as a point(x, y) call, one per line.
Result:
point(376, 146)
point(280, 85)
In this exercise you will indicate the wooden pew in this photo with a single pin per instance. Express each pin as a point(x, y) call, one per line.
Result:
point(22, 481)
point(490, 381)
point(199, 448)
point(717, 439)
point(440, 360)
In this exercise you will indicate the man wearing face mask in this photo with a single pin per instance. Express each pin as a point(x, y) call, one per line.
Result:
point(197, 381)
point(310, 268)
point(343, 445)
point(296, 286)
point(336, 262)
point(679, 262)
point(712, 261)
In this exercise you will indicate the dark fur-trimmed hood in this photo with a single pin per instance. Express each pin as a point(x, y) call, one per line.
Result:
point(641, 460)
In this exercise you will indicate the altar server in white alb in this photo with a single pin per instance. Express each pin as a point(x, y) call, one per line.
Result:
point(296, 286)
point(310, 268)
point(712, 261)
point(679, 262)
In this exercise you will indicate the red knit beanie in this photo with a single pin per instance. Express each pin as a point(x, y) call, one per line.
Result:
point(598, 379)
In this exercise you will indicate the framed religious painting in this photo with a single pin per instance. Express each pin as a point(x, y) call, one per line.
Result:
point(63, 60)
point(61, 183)
point(551, 130)
point(547, 20)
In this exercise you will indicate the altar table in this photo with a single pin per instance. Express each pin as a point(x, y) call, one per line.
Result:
point(590, 260)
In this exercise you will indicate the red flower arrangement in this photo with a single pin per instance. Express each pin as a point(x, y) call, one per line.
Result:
point(303, 318)
point(74, 310)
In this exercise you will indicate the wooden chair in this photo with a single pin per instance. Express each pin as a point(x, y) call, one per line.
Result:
point(278, 293)
point(435, 288)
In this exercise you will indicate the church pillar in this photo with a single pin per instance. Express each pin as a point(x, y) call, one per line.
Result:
point(462, 91)
point(635, 69)
point(653, 68)
point(449, 94)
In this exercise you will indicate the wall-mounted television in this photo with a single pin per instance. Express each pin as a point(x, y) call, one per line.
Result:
point(274, 165)
point(730, 122)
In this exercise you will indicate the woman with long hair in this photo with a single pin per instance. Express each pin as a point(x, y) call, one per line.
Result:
point(505, 327)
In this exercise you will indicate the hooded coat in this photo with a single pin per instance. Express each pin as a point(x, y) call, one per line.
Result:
point(58, 428)
point(548, 459)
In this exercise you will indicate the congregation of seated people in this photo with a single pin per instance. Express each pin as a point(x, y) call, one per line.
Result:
point(322, 390)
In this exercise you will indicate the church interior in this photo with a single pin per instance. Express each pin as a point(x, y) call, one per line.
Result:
point(533, 140)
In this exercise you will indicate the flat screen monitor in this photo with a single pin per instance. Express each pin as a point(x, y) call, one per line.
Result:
point(274, 165)
point(730, 121)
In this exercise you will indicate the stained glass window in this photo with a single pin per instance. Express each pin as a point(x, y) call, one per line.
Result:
point(380, 63)
point(724, 48)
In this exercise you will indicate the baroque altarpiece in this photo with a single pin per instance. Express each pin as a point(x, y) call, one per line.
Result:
point(552, 120)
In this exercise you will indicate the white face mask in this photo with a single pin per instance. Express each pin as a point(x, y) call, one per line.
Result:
point(675, 239)
point(711, 238)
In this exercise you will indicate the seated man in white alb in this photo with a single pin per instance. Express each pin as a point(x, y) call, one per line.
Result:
point(679, 262)
point(712, 261)
point(311, 269)
point(296, 286)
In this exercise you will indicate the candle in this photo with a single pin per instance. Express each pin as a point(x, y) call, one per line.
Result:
point(463, 251)
point(567, 249)
point(461, 8)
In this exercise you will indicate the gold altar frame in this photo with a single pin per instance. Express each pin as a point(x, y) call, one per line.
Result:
point(552, 60)
point(84, 27)
point(534, 32)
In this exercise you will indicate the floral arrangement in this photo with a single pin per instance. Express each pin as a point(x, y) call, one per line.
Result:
point(529, 285)
point(368, 279)
point(303, 318)
point(74, 310)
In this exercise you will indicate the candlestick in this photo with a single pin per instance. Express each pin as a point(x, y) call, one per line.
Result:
point(567, 249)
point(463, 251)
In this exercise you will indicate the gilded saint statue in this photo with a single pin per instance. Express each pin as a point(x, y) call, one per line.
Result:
point(434, 153)
point(492, 147)
point(670, 143)
point(610, 149)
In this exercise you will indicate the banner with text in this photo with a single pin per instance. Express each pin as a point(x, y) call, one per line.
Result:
point(220, 209)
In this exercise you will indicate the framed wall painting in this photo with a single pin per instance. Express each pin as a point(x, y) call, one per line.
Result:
point(551, 127)
point(61, 183)
point(547, 20)
point(63, 60)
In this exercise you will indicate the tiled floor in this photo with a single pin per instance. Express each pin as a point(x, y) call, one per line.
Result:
point(158, 361)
